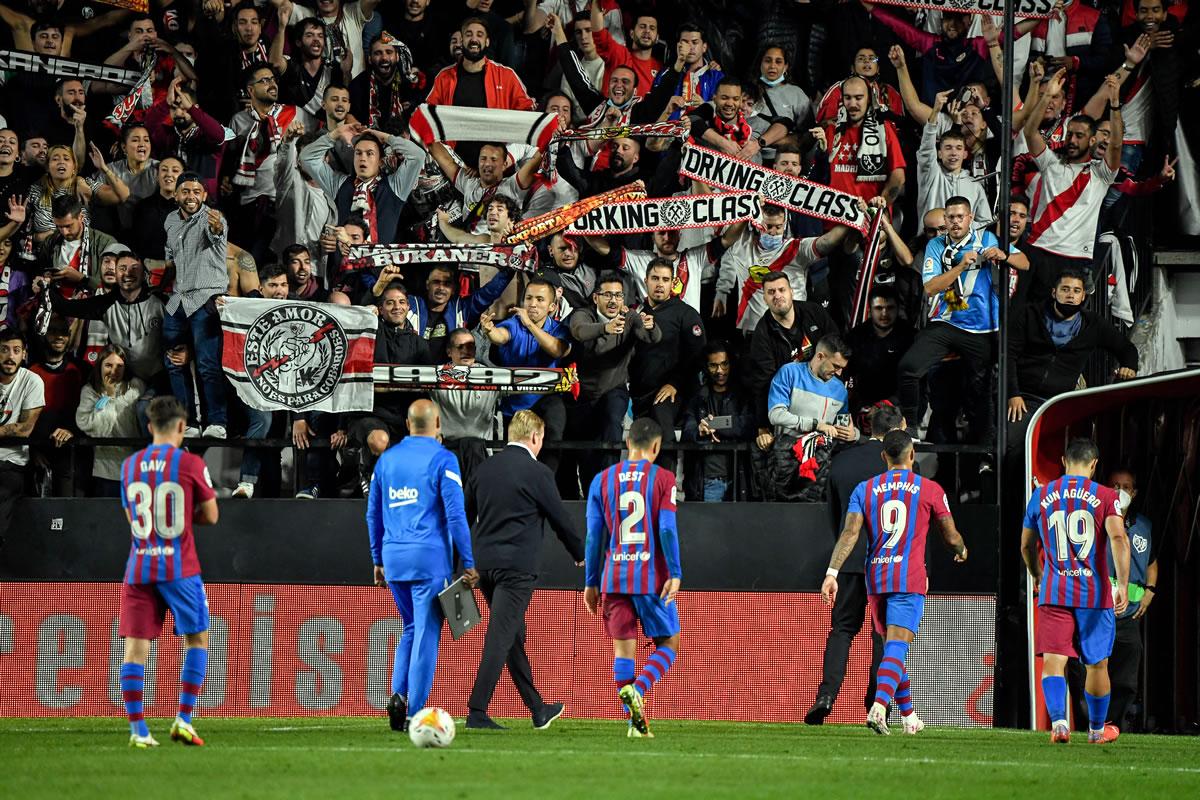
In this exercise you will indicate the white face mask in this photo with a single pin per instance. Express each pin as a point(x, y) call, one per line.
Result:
point(1124, 498)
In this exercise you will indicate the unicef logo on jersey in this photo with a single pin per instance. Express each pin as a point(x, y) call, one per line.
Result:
point(642, 556)
point(294, 355)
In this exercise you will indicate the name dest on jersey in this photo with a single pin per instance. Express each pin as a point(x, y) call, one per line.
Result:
point(642, 556)
point(1071, 494)
point(631, 476)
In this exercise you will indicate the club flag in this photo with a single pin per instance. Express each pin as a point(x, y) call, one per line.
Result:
point(283, 355)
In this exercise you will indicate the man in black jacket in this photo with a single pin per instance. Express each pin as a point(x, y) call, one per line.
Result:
point(662, 375)
point(878, 344)
point(1049, 344)
point(789, 332)
point(719, 412)
point(395, 343)
point(606, 333)
point(850, 468)
point(508, 499)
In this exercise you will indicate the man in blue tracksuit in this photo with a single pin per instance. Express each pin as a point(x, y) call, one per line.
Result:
point(417, 521)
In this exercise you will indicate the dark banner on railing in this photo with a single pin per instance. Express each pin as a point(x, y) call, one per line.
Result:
point(287, 650)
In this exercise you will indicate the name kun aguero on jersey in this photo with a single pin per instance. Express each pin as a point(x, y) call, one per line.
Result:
point(1079, 493)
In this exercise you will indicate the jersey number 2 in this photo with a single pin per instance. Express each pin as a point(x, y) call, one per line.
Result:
point(167, 500)
point(633, 511)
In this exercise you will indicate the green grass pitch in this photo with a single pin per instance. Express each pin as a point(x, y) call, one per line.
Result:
point(350, 758)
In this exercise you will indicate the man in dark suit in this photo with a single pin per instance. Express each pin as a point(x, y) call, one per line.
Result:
point(850, 468)
point(509, 497)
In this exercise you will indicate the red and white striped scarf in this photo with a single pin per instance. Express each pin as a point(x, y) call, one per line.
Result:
point(262, 140)
point(363, 201)
point(374, 115)
point(737, 131)
point(255, 55)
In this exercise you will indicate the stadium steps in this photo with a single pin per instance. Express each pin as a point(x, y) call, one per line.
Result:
point(1182, 268)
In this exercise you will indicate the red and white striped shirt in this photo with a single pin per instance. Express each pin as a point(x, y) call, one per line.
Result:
point(1066, 204)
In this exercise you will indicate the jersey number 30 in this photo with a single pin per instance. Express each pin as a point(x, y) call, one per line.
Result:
point(166, 501)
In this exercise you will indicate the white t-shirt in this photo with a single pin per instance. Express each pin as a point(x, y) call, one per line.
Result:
point(747, 261)
point(472, 192)
point(24, 393)
point(1066, 204)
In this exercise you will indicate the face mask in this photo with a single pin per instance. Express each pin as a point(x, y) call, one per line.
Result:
point(775, 82)
point(1066, 309)
point(1124, 498)
point(769, 242)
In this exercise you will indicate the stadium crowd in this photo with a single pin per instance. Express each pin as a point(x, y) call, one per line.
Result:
point(266, 140)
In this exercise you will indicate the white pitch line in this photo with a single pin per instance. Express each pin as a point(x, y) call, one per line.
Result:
point(757, 757)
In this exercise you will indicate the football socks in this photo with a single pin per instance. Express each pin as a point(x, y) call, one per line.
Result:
point(624, 671)
point(891, 670)
point(904, 696)
point(133, 676)
point(191, 678)
point(1054, 690)
point(656, 667)
point(1097, 710)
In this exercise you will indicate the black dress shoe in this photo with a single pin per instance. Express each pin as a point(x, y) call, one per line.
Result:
point(549, 713)
point(397, 710)
point(479, 721)
point(819, 711)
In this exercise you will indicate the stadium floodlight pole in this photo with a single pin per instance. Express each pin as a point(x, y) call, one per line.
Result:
point(1007, 93)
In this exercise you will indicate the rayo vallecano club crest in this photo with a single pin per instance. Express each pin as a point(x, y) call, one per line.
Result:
point(295, 354)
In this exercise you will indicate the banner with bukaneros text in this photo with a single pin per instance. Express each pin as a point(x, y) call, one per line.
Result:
point(668, 213)
point(733, 174)
point(289, 650)
point(37, 64)
point(282, 355)
point(1035, 9)
point(480, 377)
point(520, 258)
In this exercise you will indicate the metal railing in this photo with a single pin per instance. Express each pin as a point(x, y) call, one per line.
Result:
point(741, 453)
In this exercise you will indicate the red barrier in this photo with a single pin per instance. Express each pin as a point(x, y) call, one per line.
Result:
point(301, 650)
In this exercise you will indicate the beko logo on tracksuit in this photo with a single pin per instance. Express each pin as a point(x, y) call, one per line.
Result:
point(404, 496)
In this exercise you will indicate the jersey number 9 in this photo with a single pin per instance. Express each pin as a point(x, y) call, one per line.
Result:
point(167, 500)
point(894, 518)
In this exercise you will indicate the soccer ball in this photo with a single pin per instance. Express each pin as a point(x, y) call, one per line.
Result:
point(431, 727)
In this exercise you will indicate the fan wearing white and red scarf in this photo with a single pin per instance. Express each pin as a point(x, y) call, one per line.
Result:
point(268, 120)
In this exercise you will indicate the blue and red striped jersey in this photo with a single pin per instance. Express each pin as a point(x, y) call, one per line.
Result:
point(160, 488)
point(897, 507)
point(1068, 515)
point(632, 538)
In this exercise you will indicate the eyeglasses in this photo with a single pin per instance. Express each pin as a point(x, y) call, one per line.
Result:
point(612, 295)
point(265, 81)
point(935, 231)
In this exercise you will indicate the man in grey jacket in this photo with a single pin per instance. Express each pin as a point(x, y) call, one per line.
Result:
point(940, 172)
point(606, 333)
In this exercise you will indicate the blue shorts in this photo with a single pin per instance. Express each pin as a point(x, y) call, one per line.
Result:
point(1085, 633)
point(144, 607)
point(622, 612)
point(902, 609)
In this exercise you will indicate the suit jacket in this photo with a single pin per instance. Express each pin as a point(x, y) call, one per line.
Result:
point(851, 467)
point(508, 498)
